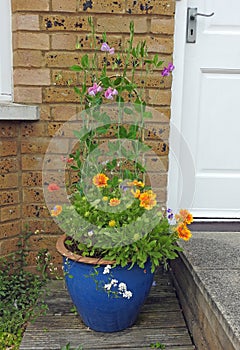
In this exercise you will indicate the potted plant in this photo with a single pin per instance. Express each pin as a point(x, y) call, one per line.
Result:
point(116, 233)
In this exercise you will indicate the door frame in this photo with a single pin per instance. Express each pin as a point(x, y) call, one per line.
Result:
point(176, 100)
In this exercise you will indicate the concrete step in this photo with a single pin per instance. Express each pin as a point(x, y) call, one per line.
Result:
point(207, 280)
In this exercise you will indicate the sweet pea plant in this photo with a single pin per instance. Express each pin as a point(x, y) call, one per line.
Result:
point(114, 213)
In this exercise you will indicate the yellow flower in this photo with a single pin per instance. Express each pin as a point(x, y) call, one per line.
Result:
point(136, 183)
point(56, 210)
point(104, 198)
point(114, 202)
point(100, 180)
point(112, 223)
point(183, 231)
point(184, 216)
point(136, 193)
point(148, 200)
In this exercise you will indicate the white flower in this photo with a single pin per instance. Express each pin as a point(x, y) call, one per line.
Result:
point(107, 286)
point(107, 269)
point(122, 287)
point(114, 282)
point(127, 294)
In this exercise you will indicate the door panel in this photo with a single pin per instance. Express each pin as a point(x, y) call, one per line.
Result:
point(209, 120)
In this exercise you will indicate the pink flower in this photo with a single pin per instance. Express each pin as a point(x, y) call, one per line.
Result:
point(93, 90)
point(109, 93)
point(167, 70)
point(106, 48)
point(53, 187)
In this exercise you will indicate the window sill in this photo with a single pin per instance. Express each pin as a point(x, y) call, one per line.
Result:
point(14, 111)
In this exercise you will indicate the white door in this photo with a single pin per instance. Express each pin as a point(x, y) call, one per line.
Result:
point(206, 112)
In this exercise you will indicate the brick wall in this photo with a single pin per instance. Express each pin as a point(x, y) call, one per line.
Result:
point(45, 33)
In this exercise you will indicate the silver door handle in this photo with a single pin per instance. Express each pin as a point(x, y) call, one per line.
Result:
point(192, 18)
point(192, 14)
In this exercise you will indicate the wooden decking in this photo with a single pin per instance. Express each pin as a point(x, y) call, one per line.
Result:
point(161, 320)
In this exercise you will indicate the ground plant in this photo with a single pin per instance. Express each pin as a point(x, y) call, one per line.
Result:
point(20, 291)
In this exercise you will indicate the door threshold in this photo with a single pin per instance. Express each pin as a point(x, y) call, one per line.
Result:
point(215, 226)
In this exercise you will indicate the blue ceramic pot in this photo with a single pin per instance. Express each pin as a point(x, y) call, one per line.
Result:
point(106, 310)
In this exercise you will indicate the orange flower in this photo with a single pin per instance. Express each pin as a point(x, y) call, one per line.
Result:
point(136, 183)
point(148, 200)
point(183, 231)
point(136, 193)
point(53, 187)
point(56, 210)
point(114, 202)
point(184, 216)
point(100, 180)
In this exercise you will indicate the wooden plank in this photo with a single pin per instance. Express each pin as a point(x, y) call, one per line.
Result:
point(160, 320)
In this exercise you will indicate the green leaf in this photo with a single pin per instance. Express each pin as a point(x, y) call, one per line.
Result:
point(122, 132)
point(119, 98)
point(85, 61)
point(103, 129)
point(76, 68)
point(77, 90)
point(117, 81)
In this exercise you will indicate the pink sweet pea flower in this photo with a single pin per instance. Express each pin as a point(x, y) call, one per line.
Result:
point(109, 93)
point(93, 90)
point(167, 70)
point(106, 48)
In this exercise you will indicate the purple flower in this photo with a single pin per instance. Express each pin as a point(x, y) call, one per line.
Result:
point(93, 90)
point(170, 214)
point(167, 70)
point(106, 48)
point(109, 93)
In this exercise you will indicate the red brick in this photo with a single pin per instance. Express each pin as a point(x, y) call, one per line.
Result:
point(63, 41)
point(33, 129)
point(31, 76)
point(160, 97)
point(8, 148)
point(34, 211)
point(8, 246)
point(59, 94)
point(64, 78)
point(8, 165)
point(156, 7)
point(120, 24)
point(9, 180)
point(8, 129)
point(27, 40)
point(33, 5)
point(10, 229)
point(9, 213)
point(32, 179)
point(9, 197)
point(25, 22)
point(62, 22)
point(63, 112)
point(27, 94)
point(162, 25)
point(30, 162)
point(28, 58)
point(63, 5)
point(103, 6)
point(33, 195)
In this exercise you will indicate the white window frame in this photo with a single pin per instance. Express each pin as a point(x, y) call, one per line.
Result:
point(8, 109)
point(5, 51)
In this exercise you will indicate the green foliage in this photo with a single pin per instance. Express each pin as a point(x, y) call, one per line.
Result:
point(68, 347)
point(117, 220)
point(19, 292)
point(157, 346)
